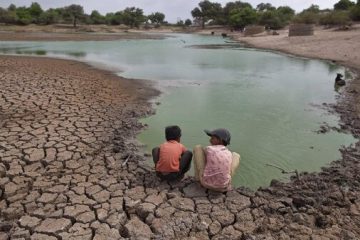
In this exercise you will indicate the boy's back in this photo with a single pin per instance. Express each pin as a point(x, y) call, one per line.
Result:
point(169, 159)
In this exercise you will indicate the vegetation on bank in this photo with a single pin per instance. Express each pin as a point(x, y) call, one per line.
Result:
point(235, 15)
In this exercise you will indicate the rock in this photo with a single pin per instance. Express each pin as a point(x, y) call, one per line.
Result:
point(225, 217)
point(136, 193)
point(184, 204)
point(21, 233)
point(230, 233)
point(52, 225)
point(136, 229)
point(29, 222)
point(34, 154)
point(104, 232)
point(79, 231)
point(73, 211)
point(102, 196)
point(5, 226)
point(214, 228)
point(86, 217)
point(102, 214)
point(117, 220)
point(144, 209)
point(162, 228)
point(47, 198)
point(38, 236)
point(194, 190)
point(155, 199)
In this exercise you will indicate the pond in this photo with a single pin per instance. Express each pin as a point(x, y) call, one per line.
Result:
point(271, 103)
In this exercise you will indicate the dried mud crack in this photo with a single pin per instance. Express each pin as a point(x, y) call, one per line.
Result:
point(67, 170)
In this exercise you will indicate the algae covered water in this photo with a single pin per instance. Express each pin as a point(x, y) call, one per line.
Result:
point(271, 103)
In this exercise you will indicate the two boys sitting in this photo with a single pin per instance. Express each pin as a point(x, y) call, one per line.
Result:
point(214, 165)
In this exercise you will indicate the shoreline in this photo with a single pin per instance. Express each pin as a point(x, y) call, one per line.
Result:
point(101, 188)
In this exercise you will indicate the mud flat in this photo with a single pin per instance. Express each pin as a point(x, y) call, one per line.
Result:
point(68, 169)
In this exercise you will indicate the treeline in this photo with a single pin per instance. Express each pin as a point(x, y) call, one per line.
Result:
point(131, 16)
point(239, 14)
point(235, 14)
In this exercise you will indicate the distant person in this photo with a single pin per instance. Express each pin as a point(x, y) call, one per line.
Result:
point(339, 81)
point(171, 159)
point(215, 165)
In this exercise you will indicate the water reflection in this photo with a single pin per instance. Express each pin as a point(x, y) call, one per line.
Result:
point(40, 52)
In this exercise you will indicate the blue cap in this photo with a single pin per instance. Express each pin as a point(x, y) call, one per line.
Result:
point(221, 133)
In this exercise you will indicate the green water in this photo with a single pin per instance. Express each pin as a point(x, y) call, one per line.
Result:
point(271, 103)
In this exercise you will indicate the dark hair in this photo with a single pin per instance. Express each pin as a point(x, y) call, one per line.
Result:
point(172, 133)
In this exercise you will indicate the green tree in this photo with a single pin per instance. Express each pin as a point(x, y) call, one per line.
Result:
point(312, 9)
point(8, 17)
point(240, 18)
point(286, 14)
point(157, 18)
point(133, 17)
point(355, 12)
point(309, 15)
point(271, 19)
point(50, 16)
point(343, 5)
point(75, 12)
point(265, 7)
point(188, 22)
point(35, 11)
point(23, 16)
point(207, 11)
point(230, 6)
point(97, 18)
point(12, 7)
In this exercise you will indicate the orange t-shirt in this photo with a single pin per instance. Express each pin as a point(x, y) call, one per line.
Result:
point(169, 157)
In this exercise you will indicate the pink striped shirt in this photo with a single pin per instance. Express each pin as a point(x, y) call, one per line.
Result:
point(218, 164)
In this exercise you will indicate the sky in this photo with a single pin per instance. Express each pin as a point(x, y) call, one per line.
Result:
point(174, 10)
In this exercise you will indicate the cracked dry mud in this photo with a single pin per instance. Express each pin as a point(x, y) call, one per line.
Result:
point(68, 170)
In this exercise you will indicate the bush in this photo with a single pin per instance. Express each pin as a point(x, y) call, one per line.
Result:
point(355, 13)
point(307, 18)
point(335, 18)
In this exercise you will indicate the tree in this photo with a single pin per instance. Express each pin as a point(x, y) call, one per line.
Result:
point(97, 18)
point(240, 18)
point(355, 12)
point(75, 12)
point(344, 5)
point(35, 11)
point(230, 6)
point(262, 7)
point(157, 18)
point(286, 14)
point(50, 16)
point(12, 7)
point(271, 19)
point(206, 11)
point(313, 9)
point(133, 17)
point(8, 17)
point(23, 16)
point(188, 22)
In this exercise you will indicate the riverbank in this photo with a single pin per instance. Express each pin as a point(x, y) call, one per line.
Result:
point(68, 170)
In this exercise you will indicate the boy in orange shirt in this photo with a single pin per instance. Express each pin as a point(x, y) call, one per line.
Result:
point(171, 159)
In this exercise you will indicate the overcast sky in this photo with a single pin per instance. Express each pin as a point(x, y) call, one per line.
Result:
point(173, 9)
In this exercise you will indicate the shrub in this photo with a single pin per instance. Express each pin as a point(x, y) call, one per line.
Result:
point(335, 18)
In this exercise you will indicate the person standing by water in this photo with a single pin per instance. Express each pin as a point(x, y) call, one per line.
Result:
point(171, 159)
point(215, 165)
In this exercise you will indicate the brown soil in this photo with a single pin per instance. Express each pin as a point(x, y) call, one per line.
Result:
point(68, 170)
